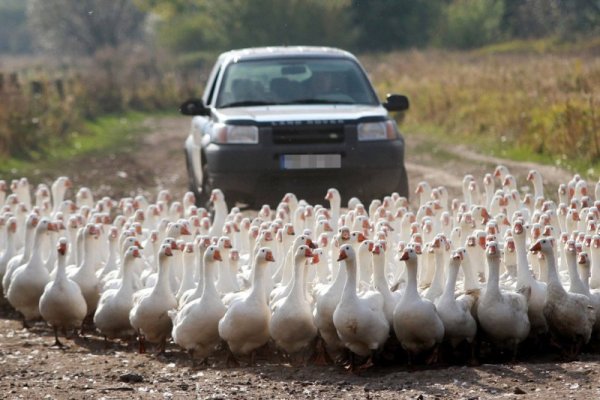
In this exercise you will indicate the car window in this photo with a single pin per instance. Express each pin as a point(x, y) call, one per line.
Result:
point(294, 81)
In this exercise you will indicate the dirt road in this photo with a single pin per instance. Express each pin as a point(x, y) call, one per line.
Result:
point(89, 368)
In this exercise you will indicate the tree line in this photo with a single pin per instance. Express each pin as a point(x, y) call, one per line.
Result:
point(194, 27)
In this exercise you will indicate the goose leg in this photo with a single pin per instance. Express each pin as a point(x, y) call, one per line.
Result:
point(162, 347)
point(142, 344)
point(433, 358)
point(191, 353)
point(368, 364)
point(473, 361)
point(57, 342)
point(231, 360)
point(320, 356)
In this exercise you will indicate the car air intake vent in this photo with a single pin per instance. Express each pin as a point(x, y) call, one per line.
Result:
point(308, 134)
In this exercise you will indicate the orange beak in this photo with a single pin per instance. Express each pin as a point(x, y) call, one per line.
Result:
point(217, 256)
point(404, 256)
point(536, 247)
point(269, 257)
point(342, 255)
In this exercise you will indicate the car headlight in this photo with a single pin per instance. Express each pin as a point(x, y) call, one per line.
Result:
point(240, 134)
point(383, 130)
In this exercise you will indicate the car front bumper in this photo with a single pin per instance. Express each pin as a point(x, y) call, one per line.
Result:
point(254, 173)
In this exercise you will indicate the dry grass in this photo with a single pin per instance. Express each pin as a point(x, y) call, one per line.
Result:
point(542, 106)
point(43, 102)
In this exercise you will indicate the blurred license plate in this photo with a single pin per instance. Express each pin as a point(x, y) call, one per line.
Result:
point(310, 161)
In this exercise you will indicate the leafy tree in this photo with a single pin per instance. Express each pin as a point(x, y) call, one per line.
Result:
point(472, 23)
point(84, 26)
point(384, 25)
point(14, 36)
point(220, 25)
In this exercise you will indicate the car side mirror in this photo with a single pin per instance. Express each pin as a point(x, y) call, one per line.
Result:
point(194, 107)
point(396, 102)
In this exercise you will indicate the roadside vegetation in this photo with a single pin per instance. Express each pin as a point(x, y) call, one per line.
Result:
point(524, 106)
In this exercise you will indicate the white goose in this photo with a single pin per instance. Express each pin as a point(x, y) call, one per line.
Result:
point(217, 198)
point(413, 313)
point(502, 315)
point(62, 305)
point(390, 299)
point(525, 279)
point(245, 325)
point(59, 188)
point(292, 326)
point(570, 316)
point(360, 322)
point(196, 326)
point(455, 313)
point(335, 201)
point(21, 257)
point(9, 246)
point(535, 178)
point(85, 273)
point(112, 314)
point(149, 313)
point(29, 280)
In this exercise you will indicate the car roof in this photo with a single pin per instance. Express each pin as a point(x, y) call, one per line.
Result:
point(253, 53)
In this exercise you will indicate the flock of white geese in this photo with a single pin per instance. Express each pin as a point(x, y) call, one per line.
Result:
point(491, 267)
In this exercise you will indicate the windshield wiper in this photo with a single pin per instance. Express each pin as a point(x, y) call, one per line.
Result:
point(247, 103)
point(318, 101)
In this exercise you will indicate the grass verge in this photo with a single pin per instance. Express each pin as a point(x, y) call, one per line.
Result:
point(105, 135)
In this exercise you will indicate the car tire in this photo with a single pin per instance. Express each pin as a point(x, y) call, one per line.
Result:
point(204, 196)
point(200, 195)
point(403, 185)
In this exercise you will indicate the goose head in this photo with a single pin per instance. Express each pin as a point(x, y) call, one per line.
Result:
point(492, 250)
point(62, 246)
point(264, 255)
point(332, 195)
point(357, 237)
point(217, 196)
point(213, 254)
point(543, 245)
point(459, 254)
point(346, 252)
point(303, 253)
point(409, 253)
point(131, 253)
point(166, 249)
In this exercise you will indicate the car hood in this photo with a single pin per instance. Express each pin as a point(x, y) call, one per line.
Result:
point(328, 112)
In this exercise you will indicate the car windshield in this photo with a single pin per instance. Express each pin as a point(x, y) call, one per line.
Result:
point(294, 81)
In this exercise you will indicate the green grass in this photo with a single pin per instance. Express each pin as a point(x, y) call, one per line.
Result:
point(104, 135)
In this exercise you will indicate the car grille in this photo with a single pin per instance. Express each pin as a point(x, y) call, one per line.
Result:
point(308, 134)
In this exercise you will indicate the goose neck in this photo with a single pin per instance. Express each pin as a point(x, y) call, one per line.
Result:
point(298, 279)
point(524, 276)
point(162, 282)
point(208, 282)
point(453, 267)
point(258, 284)
point(577, 285)
point(493, 283)
point(379, 275)
point(551, 268)
point(61, 272)
point(411, 279)
point(350, 285)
